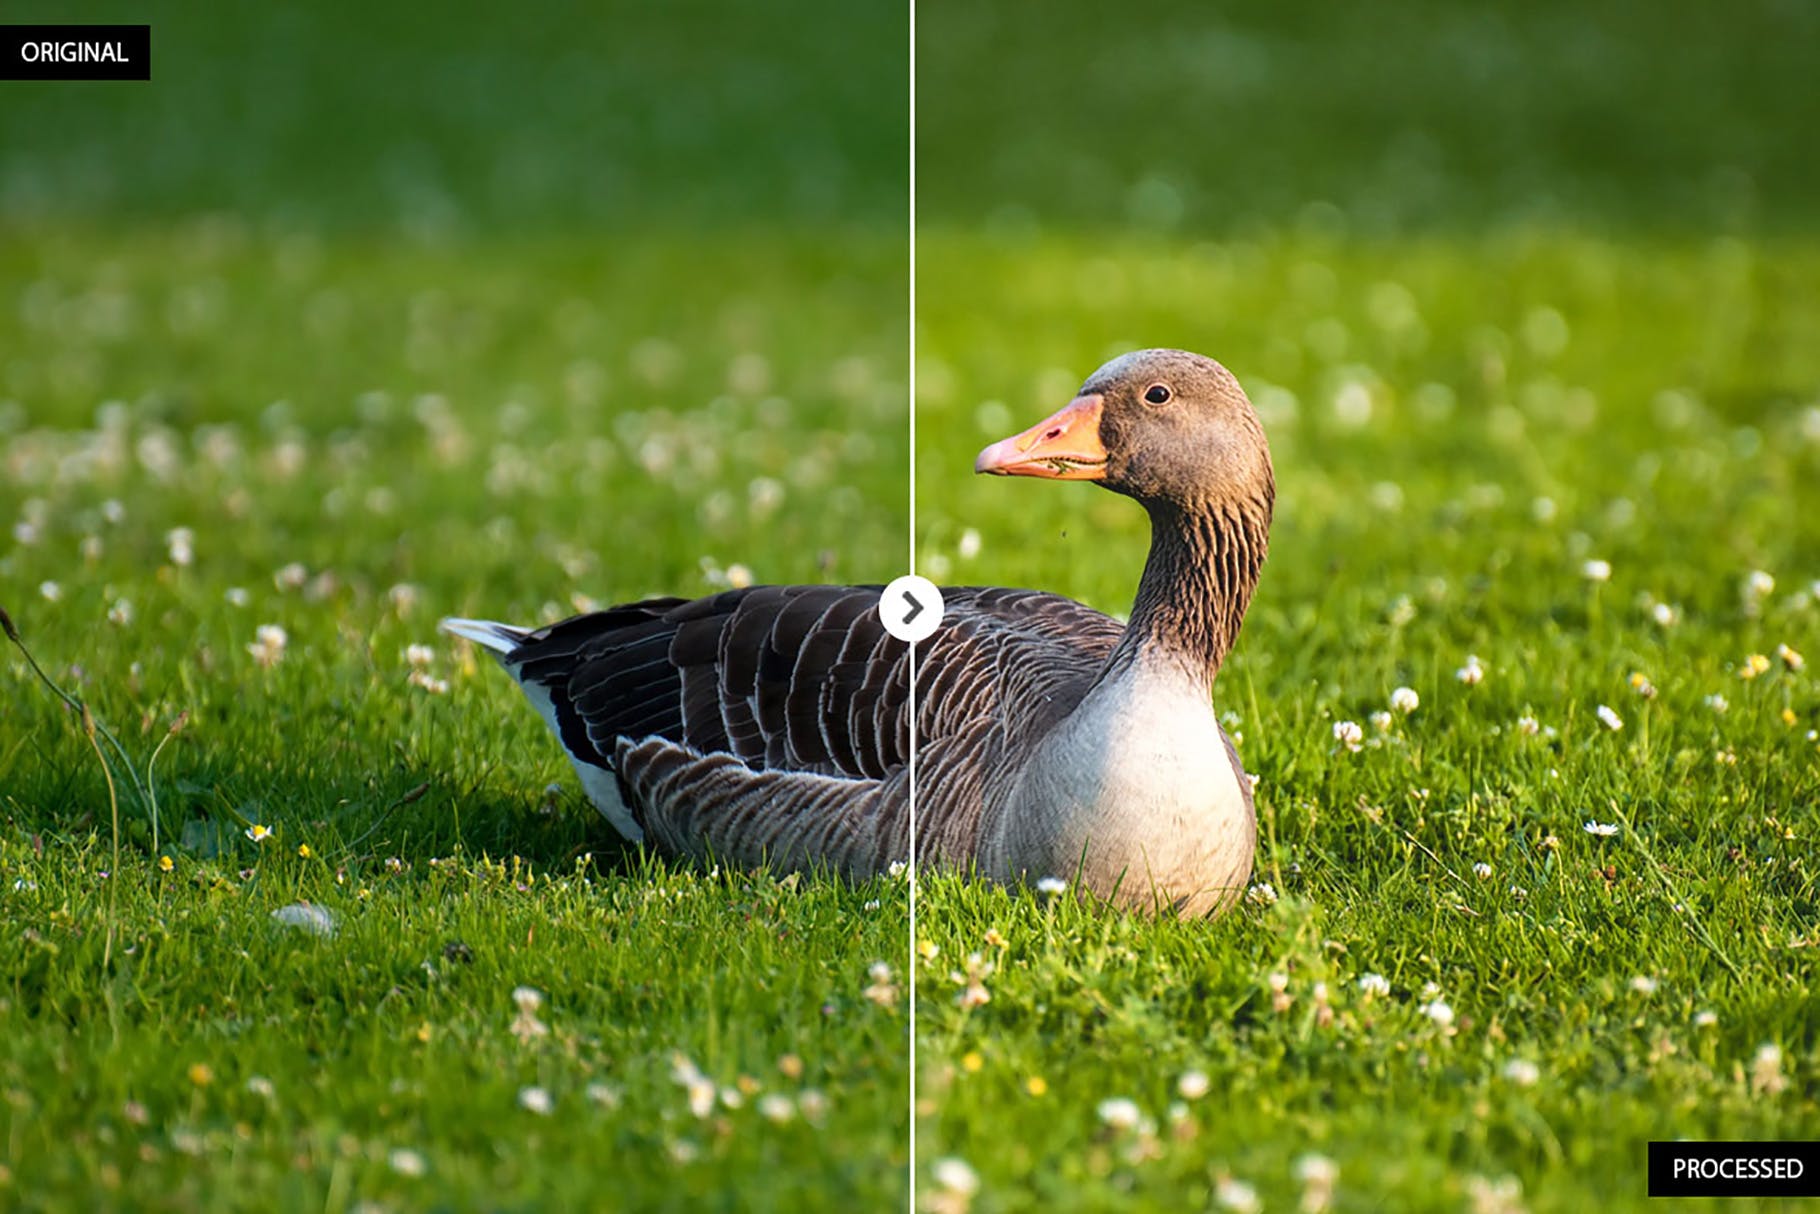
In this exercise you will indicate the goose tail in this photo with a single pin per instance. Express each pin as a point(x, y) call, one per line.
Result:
point(502, 639)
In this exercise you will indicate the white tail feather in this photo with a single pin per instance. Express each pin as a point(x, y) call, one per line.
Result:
point(500, 638)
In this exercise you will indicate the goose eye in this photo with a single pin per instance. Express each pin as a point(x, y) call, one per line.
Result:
point(1158, 394)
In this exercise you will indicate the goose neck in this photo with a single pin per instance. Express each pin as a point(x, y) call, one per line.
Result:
point(1198, 580)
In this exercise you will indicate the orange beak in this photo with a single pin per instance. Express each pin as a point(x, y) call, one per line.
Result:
point(1065, 447)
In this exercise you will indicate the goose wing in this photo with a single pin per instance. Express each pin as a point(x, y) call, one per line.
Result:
point(778, 678)
point(772, 723)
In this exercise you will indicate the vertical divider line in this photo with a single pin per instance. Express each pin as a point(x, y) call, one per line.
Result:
point(910, 943)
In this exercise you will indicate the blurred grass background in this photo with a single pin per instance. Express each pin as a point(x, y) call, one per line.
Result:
point(355, 316)
point(476, 120)
point(1392, 118)
point(1525, 295)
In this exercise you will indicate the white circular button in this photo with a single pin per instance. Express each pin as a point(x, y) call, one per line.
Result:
point(911, 607)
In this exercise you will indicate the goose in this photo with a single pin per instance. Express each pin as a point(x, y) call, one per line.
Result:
point(771, 724)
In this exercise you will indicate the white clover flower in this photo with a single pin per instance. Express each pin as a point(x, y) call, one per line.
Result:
point(1120, 1113)
point(121, 612)
point(1759, 584)
point(1522, 1072)
point(1706, 1020)
point(1718, 703)
point(1665, 615)
point(419, 655)
point(1348, 734)
point(1471, 674)
point(407, 1162)
point(1609, 718)
point(1193, 1085)
point(291, 576)
point(1791, 658)
point(1049, 887)
point(1373, 985)
point(1261, 894)
point(1766, 1069)
point(1643, 985)
point(1481, 870)
point(51, 591)
point(526, 1026)
point(683, 1069)
point(969, 546)
point(428, 682)
point(955, 1176)
point(180, 542)
point(776, 1108)
point(882, 990)
point(536, 1100)
point(269, 644)
point(1405, 700)
point(1528, 726)
point(1318, 1175)
point(1596, 571)
point(1438, 1011)
point(1380, 721)
point(1237, 1196)
point(1602, 830)
point(812, 1105)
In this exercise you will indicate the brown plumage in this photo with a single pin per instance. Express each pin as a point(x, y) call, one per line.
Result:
point(772, 724)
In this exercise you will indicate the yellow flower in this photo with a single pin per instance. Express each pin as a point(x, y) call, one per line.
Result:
point(1036, 1085)
point(1754, 665)
point(972, 1061)
point(201, 1074)
point(1788, 717)
point(929, 949)
point(303, 849)
point(258, 833)
point(166, 864)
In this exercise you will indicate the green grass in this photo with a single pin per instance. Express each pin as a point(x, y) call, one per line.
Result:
point(1411, 116)
point(1664, 398)
point(365, 116)
point(494, 316)
point(496, 427)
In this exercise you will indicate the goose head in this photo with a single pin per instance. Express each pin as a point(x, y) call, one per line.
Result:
point(1167, 427)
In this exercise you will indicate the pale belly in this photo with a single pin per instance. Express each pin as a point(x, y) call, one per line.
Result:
point(1137, 796)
